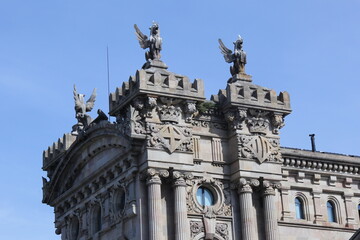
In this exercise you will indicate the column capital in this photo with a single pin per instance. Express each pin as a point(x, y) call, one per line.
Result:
point(244, 185)
point(152, 177)
point(180, 178)
point(269, 188)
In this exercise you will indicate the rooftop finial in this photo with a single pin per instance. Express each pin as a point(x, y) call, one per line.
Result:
point(238, 58)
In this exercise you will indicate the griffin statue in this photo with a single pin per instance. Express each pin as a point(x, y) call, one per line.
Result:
point(238, 58)
point(81, 107)
point(84, 119)
point(153, 42)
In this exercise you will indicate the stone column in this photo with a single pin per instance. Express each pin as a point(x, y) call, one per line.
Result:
point(247, 216)
point(270, 216)
point(154, 205)
point(182, 227)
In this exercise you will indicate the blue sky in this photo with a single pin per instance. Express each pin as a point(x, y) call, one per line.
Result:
point(308, 48)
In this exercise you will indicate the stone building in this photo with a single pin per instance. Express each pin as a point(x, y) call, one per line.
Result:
point(177, 166)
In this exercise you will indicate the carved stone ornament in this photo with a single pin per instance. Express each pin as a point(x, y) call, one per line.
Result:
point(259, 147)
point(235, 118)
point(222, 229)
point(190, 110)
point(222, 206)
point(246, 186)
point(269, 187)
point(169, 137)
point(258, 121)
point(277, 122)
point(197, 230)
point(196, 227)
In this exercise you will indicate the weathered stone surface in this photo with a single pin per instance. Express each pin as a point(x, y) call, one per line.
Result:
point(214, 168)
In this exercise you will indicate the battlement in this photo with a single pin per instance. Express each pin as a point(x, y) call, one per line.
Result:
point(159, 82)
point(246, 94)
point(57, 148)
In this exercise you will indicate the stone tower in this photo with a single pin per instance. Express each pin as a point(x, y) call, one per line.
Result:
point(177, 166)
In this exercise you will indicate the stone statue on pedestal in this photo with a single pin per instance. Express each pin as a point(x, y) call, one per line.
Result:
point(81, 107)
point(153, 42)
point(238, 57)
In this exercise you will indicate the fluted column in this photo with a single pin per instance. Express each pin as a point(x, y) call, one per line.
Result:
point(270, 216)
point(154, 205)
point(247, 215)
point(182, 228)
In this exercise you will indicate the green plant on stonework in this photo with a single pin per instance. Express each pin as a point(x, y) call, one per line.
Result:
point(206, 106)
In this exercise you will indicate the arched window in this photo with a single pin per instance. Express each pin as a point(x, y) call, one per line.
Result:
point(299, 208)
point(96, 219)
point(331, 211)
point(205, 197)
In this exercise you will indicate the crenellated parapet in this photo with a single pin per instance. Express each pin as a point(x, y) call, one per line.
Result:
point(158, 82)
point(58, 148)
point(246, 94)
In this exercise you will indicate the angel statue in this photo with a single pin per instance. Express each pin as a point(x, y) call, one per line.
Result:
point(154, 42)
point(81, 108)
point(238, 58)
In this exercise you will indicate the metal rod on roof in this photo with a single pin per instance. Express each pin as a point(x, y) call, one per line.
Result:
point(313, 147)
point(108, 75)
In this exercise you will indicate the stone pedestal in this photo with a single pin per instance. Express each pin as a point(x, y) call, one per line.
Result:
point(182, 228)
point(270, 217)
point(154, 207)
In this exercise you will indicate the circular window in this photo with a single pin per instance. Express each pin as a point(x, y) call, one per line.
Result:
point(205, 197)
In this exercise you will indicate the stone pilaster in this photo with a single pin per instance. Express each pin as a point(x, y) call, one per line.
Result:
point(182, 230)
point(349, 208)
point(270, 217)
point(154, 205)
point(317, 206)
point(247, 215)
point(286, 213)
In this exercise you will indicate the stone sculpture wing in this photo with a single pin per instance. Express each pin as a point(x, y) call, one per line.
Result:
point(226, 52)
point(78, 103)
point(143, 39)
point(90, 103)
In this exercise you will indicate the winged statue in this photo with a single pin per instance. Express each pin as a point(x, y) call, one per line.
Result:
point(238, 57)
point(153, 42)
point(81, 107)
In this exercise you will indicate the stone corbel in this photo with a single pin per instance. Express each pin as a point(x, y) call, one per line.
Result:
point(190, 110)
point(151, 103)
point(235, 118)
point(277, 121)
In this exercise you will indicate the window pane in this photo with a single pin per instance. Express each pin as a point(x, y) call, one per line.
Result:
point(299, 209)
point(331, 212)
point(208, 198)
point(204, 196)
